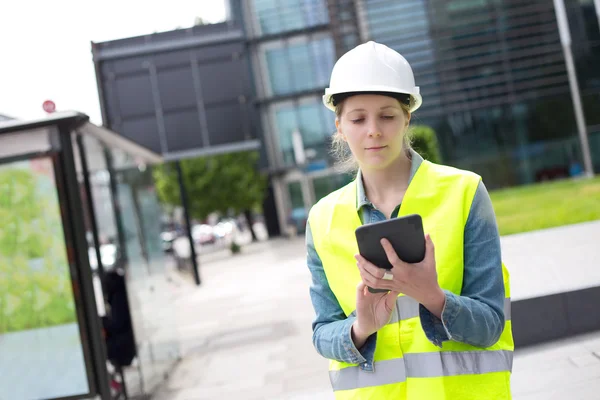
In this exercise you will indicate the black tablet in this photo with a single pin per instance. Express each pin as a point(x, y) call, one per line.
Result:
point(404, 233)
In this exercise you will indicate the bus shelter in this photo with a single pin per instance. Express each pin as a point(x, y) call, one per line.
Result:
point(85, 288)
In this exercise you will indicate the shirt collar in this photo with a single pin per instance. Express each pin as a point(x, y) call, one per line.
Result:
point(361, 196)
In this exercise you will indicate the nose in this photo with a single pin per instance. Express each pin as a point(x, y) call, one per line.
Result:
point(374, 131)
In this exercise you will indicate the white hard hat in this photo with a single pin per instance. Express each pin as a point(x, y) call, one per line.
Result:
point(373, 68)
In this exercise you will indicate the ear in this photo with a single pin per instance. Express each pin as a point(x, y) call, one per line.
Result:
point(339, 129)
point(408, 115)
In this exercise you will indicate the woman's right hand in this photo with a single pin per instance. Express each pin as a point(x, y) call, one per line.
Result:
point(373, 311)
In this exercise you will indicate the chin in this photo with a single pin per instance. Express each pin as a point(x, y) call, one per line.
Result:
point(376, 165)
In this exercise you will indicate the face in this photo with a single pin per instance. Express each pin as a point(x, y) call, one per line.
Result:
point(374, 127)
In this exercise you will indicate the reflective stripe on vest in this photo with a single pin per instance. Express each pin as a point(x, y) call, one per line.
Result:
point(407, 308)
point(423, 365)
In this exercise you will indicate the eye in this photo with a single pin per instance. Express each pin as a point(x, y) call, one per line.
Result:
point(388, 117)
point(357, 120)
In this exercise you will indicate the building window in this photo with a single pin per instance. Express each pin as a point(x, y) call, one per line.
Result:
point(286, 124)
point(277, 16)
point(300, 66)
point(315, 124)
point(279, 73)
point(311, 124)
point(296, 199)
point(327, 184)
point(298, 214)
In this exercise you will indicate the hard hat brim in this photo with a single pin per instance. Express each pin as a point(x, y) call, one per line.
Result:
point(415, 103)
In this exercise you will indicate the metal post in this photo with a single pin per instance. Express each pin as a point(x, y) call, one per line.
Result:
point(76, 237)
point(565, 39)
point(90, 203)
point(188, 225)
point(597, 7)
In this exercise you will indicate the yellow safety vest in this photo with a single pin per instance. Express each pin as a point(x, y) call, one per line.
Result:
point(407, 365)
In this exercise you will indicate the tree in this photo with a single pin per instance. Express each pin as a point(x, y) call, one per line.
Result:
point(424, 141)
point(222, 183)
point(34, 286)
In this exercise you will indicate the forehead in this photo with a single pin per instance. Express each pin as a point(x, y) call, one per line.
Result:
point(370, 102)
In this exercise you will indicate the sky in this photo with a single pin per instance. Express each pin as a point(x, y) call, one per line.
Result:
point(45, 46)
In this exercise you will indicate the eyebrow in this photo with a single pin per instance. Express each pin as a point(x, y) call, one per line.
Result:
point(362, 109)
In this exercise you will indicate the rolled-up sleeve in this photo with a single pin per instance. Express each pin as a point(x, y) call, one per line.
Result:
point(332, 335)
point(476, 317)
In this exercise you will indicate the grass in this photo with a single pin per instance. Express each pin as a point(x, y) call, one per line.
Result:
point(546, 205)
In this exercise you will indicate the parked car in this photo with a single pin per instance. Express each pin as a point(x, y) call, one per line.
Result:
point(224, 229)
point(203, 234)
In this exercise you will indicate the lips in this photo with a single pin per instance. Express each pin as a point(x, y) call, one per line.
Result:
point(374, 148)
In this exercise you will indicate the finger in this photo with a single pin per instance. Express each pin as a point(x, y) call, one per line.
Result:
point(367, 278)
point(390, 300)
point(429, 247)
point(360, 289)
point(371, 281)
point(390, 252)
point(369, 267)
point(383, 285)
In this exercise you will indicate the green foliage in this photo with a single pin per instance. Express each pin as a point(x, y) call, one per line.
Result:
point(35, 289)
point(546, 205)
point(424, 141)
point(235, 248)
point(220, 183)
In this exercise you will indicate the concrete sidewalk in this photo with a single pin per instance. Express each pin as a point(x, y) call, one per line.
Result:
point(246, 333)
point(559, 370)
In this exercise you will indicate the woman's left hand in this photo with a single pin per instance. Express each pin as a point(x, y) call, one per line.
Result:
point(418, 281)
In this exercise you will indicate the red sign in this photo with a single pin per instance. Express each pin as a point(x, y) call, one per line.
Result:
point(49, 106)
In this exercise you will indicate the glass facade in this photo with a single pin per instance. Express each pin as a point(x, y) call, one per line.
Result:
point(326, 184)
point(585, 34)
point(512, 144)
point(292, 63)
point(491, 72)
point(405, 27)
point(494, 83)
point(315, 124)
point(277, 16)
point(295, 193)
point(299, 67)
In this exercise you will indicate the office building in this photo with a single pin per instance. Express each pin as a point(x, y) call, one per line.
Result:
point(492, 74)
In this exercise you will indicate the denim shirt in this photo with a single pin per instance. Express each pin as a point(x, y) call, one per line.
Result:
point(476, 317)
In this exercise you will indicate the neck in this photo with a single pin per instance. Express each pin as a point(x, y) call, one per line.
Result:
point(387, 185)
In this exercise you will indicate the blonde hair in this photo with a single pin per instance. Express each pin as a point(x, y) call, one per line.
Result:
point(344, 160)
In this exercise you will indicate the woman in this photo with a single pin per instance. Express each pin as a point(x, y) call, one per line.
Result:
point(442, 329)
